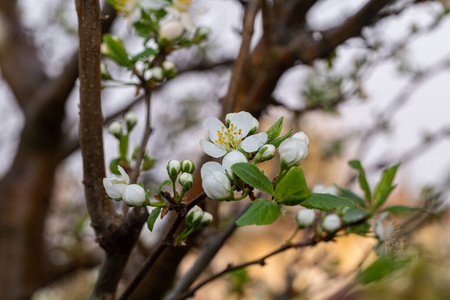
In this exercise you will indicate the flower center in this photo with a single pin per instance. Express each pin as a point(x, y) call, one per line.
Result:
point(120, 182)
point(182, 5)
point(229, 137)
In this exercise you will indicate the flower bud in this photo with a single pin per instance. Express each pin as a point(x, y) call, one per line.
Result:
point(187, 166)
point(194, 216)
point(173, 168)
point(186, 181)
point(305, 218)
point(104, 72)
point(206, 219)
point(232, 158)
point(131, 120)
point(134, 195)
point(321, 189)
point(265, 153)
point(301, 136)
point(292, 151)
point(115, 128)
point(171, 30)
point(201, 34)
point(331, 223)
point(168, 65)
point(217, 185)
point(157, 73)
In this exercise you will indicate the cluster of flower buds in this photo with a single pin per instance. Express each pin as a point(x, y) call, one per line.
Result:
point(196, 219)
point(116, 127)
point(184, 170)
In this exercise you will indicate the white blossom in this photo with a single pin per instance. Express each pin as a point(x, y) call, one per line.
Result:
point(157, 73)
point(171, 30)
point(305, 217)
point(227, 138)
point(206, 219)
point(115, 186)
point(292, 151)
point(168, 65)
point(331, 223)
point(115, 128)
point(232, 158)
point(301, 136)
point(215, 182)
point(131, 120)
point(134, 195)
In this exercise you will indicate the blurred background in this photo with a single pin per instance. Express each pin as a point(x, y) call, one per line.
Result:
point(382, 98)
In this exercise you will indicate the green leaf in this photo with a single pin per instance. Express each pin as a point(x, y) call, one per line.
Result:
point(123, 146)
point(116, 50)
point(356, 164)
point(380, 268)
point(113, 166)
point(401, 209)
point(262, 212)
point(253, 176)
point(355, 214)
point(292, 189)
point(144, 54)
point(326, 202)
point(276, 142)
point(275, 130)
point(385, 186)
point(152, 218)
point(166, 182)
point(352, 196)
point(360, 229)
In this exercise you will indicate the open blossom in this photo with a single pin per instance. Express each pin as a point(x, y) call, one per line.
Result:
point(181, 10)
point(215, 182)
point(116, 186)
point(235, 136)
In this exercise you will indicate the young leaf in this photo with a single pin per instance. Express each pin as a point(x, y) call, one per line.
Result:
point(166, 182)
point(116, 51)
point(113, 166)
point(401, 209)
point(355, 214)
point(385, 186)
point(326, 202)
point(152, 218)
point(380, 268)
point(144, 54)
point(276, 142)
point(253, 176)
point(352, 196)
point(262, 212)
point(275, 130)
point(356, 164)
point(292, 189)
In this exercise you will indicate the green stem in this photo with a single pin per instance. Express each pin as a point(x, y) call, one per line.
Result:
point(289, 241)
point(241, 197)
point(174, 190)
point(157, 204)
point(184, 234)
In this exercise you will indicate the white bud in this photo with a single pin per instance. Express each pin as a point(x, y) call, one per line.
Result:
point(292, 151)
point(157, 73)
point(131, 120)
point(301, 136)
point(173, 169)
point(187, 166)
point(194, 216)
point(232, 158)
point(321, 189)
point(134, 195)
point(168, 65)
point(115, 128)
point(216, 185)
point(206, 219)
point(171, 30)
point(305, 217)
point(331, 223)
point(265, 153)
point(186, 180)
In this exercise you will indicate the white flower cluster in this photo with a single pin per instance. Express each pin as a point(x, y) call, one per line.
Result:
point(236, 137)
point(120, 189)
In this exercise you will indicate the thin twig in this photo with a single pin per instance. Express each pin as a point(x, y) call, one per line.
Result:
point(165, 241)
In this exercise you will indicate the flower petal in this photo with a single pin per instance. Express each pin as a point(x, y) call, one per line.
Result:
point(244, 121)
point(124, 174)
point(213, 125)
point(187, 21)
point(211, 149)
point(254, 142)
point(211, 166)
point(232, 158)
